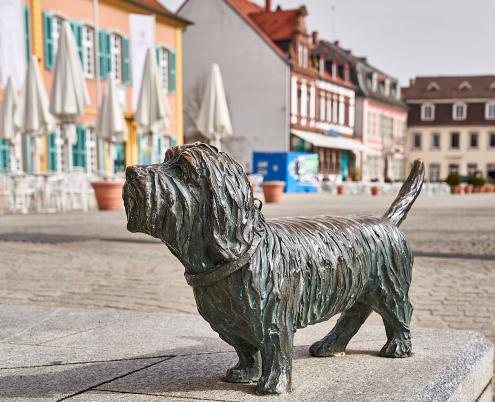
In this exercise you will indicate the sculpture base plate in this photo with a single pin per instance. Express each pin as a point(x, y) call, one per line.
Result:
point(50, 353)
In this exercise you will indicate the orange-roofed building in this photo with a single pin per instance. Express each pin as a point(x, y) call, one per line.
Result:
point(111, 39)
point(280, 94)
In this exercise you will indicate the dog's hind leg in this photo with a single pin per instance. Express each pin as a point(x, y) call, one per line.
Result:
point(248, 367)
point(396, 314)
point(348, 324)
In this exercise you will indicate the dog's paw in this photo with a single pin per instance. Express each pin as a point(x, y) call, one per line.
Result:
point(244, 375)
point(397, 348)
point(273, 387)
point(324, 349)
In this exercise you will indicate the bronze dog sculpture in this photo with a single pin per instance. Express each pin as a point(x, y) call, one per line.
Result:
point(256, 281)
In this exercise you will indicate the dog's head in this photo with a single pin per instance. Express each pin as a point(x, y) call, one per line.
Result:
point(198, 202)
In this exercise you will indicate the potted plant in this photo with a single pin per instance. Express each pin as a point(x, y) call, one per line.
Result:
point(478, 183)
point(454, 181)
point(340, 189)
point(375, 190)
point(273, 190)
point(108, 193)
point(469, 186)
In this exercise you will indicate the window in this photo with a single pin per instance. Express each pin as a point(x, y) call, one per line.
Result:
point(427, 112)
point(491, 140)
point(116, 56)
point(454, 140)
point(490, 171)
point(416, 144)
point(490, 111)
point(162, 61)
point(434, 172)
point(453, 168)
point(459, 111)
point(323, 102)
point(435, 141)
point(56, 29)
point(88, 45)
point(321, 65)
point(302, 55)
point(52, 25)
point(471, 169)
point(473, 140)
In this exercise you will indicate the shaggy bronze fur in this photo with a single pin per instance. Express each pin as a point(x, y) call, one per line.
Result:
point(256, 281)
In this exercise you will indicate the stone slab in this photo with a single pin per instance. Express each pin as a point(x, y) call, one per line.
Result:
point(97, 352)
point(51, 383)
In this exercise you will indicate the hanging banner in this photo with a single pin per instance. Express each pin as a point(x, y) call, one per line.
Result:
point(142, 32)
point(12, 42)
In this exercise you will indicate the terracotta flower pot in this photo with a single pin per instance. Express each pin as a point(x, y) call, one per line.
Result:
point(273, 190)
point(478, 189)
point(340, 189)
point(375, 190)
point(108, 194)
point(456, 189)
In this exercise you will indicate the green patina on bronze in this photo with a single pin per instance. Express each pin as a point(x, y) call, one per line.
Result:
point(255, 280)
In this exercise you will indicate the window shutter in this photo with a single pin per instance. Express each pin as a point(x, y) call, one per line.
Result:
point(47, 25)
point(28, 154)
point(26, 32)
point(126, 61)
point(79, 148)
point(108, 52)
point(77, 31)
point(171, 72)
point(157, 55)
point(52, 152)
point(4, 156)
point(102, 59)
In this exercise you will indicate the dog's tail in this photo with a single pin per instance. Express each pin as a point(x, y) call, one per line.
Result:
point(407, 195)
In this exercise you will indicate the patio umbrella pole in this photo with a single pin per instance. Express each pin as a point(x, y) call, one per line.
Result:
point(217, 141)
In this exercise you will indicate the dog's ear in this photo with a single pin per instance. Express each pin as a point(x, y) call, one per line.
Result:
point(233, 214)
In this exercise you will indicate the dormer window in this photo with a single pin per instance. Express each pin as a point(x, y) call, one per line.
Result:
point(321, 65)
point(490, 111)
point(459, 111)
point(433, 86)
point(428, 112)
point(302, 55)
point(374, 82)
point(464, 86)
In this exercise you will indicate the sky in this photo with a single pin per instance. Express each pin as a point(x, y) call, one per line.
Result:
point(406, 38)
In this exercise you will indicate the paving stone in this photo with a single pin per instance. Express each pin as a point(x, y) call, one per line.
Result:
point(54, 382)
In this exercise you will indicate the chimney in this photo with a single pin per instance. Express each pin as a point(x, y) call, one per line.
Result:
point(268, 5)
point(316, 37)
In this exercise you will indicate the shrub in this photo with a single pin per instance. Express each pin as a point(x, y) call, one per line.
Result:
point(453, 179)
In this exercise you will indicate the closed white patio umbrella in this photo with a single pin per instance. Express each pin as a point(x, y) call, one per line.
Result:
point(69, 96)
point(32, 114)
point(7, 128)
point(214, 118)
point(152, 111)
point(111, 125)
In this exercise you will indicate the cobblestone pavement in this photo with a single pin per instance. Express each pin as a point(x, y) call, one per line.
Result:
point(77, 259)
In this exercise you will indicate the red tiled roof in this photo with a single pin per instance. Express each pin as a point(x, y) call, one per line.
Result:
point(447, 87)
point(245, 9)
point(278, 25)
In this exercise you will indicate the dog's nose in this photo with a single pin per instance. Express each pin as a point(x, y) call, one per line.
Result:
point(131, 172)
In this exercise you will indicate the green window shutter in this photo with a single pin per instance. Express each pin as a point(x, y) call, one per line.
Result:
point(77, 31)
point(79, 148)
point(28, 154)
point(159, 149)
point(126, 61)
point(173, 141)
point(52, 152)
point(119, 162)
point(157, 54)
point(108, 52)
point(47, 26)
point(171, 71)
point(4, 156)
point(102, 59)
point(27, 39)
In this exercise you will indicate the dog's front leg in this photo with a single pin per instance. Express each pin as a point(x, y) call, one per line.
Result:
point(248, 367)
point(276, 360)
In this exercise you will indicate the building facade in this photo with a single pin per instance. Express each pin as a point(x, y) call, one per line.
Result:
point(451, 125)
point(380, 114)
point(280, 96)
point(108, 42)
